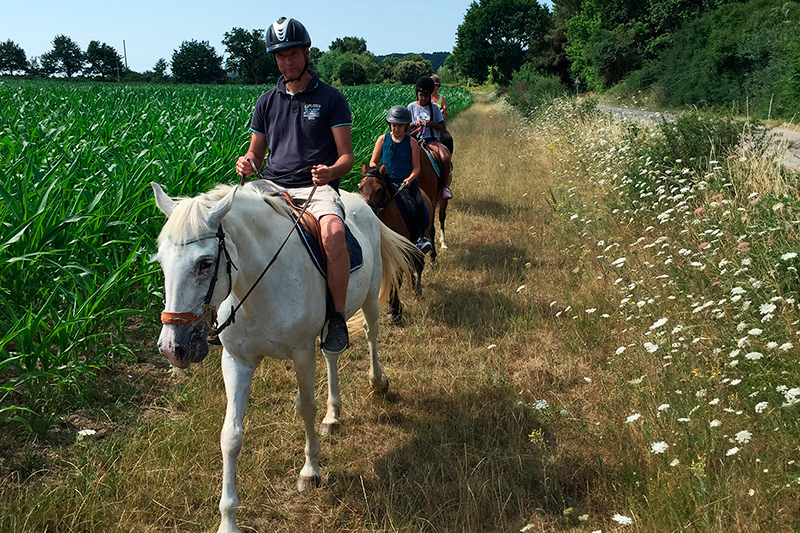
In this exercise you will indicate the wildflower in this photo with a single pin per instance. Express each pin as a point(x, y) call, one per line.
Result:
point(751, 492)
point(520, 288)
point(659, 447)
point(675, 462)
point(658, 323)
point(789, 255)
point(755, 331)
point(754, 356)
point(786, 346)
point(620, 350)
point(663, 407)
point(540, 404)
point(761, 407)
point(636, 381)
point(619, 262)
point(732, 451)
point(684, 419)
point(715, 423)
point(735, 381)
point(650, 347)
point(633, 418)
point(491, 346)
point(743, 437)
point(767, 308)
point(622, 519)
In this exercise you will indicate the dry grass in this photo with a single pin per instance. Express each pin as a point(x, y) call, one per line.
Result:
point(456, 446)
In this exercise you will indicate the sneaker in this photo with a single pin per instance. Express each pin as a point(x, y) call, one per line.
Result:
point(447, 194)
point(337, 339)
point(424, 245)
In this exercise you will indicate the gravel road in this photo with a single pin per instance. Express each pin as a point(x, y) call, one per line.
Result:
point(791, 159)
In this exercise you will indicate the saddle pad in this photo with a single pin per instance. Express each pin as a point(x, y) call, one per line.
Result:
point(433, 161)
point(314, 250)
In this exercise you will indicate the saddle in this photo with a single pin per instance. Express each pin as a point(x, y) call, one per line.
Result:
point(310, 234)
point(309, 222)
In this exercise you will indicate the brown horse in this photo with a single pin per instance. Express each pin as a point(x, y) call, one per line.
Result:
point(431, 185)
point(380, 194)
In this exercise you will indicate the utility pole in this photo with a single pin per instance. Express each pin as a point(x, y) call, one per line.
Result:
point(125, 52)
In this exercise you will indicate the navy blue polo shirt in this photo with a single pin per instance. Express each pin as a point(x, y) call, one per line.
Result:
point(299, 129)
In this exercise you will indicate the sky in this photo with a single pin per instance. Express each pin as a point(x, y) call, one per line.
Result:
point(143, 31)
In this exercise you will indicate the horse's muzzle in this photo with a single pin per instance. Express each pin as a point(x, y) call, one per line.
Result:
point(184, 344)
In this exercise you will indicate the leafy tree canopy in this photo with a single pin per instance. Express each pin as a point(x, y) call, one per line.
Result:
point(357, 45)
point(102, 61)
point(197, 62)
point(65, 57)
point(12, 57)
point(498, 36)
point(248, 56)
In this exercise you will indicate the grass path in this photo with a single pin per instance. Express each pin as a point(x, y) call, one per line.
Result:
point(456, 445)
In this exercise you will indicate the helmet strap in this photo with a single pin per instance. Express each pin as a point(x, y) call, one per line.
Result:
point(305, 69)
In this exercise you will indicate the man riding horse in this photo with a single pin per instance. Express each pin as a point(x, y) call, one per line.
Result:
point(299, 108)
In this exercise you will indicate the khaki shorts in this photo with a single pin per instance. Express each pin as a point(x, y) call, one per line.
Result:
point(326, 201)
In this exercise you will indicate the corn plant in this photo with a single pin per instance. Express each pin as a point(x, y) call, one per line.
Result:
point(78, 221)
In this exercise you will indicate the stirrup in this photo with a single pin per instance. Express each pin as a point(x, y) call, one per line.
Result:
point(447, 194)
point(337, 340)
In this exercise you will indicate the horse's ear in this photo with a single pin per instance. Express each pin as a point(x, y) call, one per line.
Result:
point(163, 201)
point(221, 209)
point(364, 169)
point(383, 169)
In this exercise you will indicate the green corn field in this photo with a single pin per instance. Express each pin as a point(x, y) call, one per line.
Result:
point(77, 219)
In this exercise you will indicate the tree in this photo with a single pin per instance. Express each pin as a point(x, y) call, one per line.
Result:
point(356, 69)
point(65, 57)
point(160, 69)
point(498, 36)
point(357, 45)
point(102, 61)
point(248, 57)
point(410, 68)
point(197, 62)
point(12, 57)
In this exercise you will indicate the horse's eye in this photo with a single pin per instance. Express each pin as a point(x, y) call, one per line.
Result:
point(204, 264)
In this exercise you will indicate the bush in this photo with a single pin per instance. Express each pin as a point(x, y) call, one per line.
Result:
point(530, 90)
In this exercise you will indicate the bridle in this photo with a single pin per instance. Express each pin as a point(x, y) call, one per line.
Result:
point(208, 312)
point(386, 196)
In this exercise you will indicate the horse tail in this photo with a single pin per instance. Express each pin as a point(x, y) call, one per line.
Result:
point(398, 256)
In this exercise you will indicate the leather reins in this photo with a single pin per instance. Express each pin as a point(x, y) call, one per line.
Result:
point(209, 313)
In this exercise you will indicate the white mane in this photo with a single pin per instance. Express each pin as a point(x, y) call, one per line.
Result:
point(190, 216)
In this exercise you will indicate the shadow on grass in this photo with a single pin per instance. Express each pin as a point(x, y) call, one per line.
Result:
point(470, 466)
point(484, 206)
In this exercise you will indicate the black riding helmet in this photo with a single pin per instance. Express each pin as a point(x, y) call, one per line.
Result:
point(425, 84)
point(286, 33)
point(398, 114)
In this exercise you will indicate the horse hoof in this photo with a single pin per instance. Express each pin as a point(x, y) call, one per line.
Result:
point(329, 429)
point(381, 385)
point(312, 482)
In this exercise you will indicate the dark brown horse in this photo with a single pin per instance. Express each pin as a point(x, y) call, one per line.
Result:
point(431, 185)
point(380, 194)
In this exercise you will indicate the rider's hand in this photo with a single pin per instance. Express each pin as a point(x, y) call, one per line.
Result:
point(321, 174)
point(244, 167)
point(408, 181)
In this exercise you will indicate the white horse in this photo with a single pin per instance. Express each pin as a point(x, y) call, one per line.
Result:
point(212, 250)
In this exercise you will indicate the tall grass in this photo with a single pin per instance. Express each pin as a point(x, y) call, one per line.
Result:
point(78, 221)
point(694, 241)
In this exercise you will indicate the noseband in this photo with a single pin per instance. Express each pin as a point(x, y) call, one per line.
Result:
point(209, 313)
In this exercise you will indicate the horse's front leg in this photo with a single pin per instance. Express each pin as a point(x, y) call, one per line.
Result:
point(305, 368)
point(330, 424)
point(238, 377)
